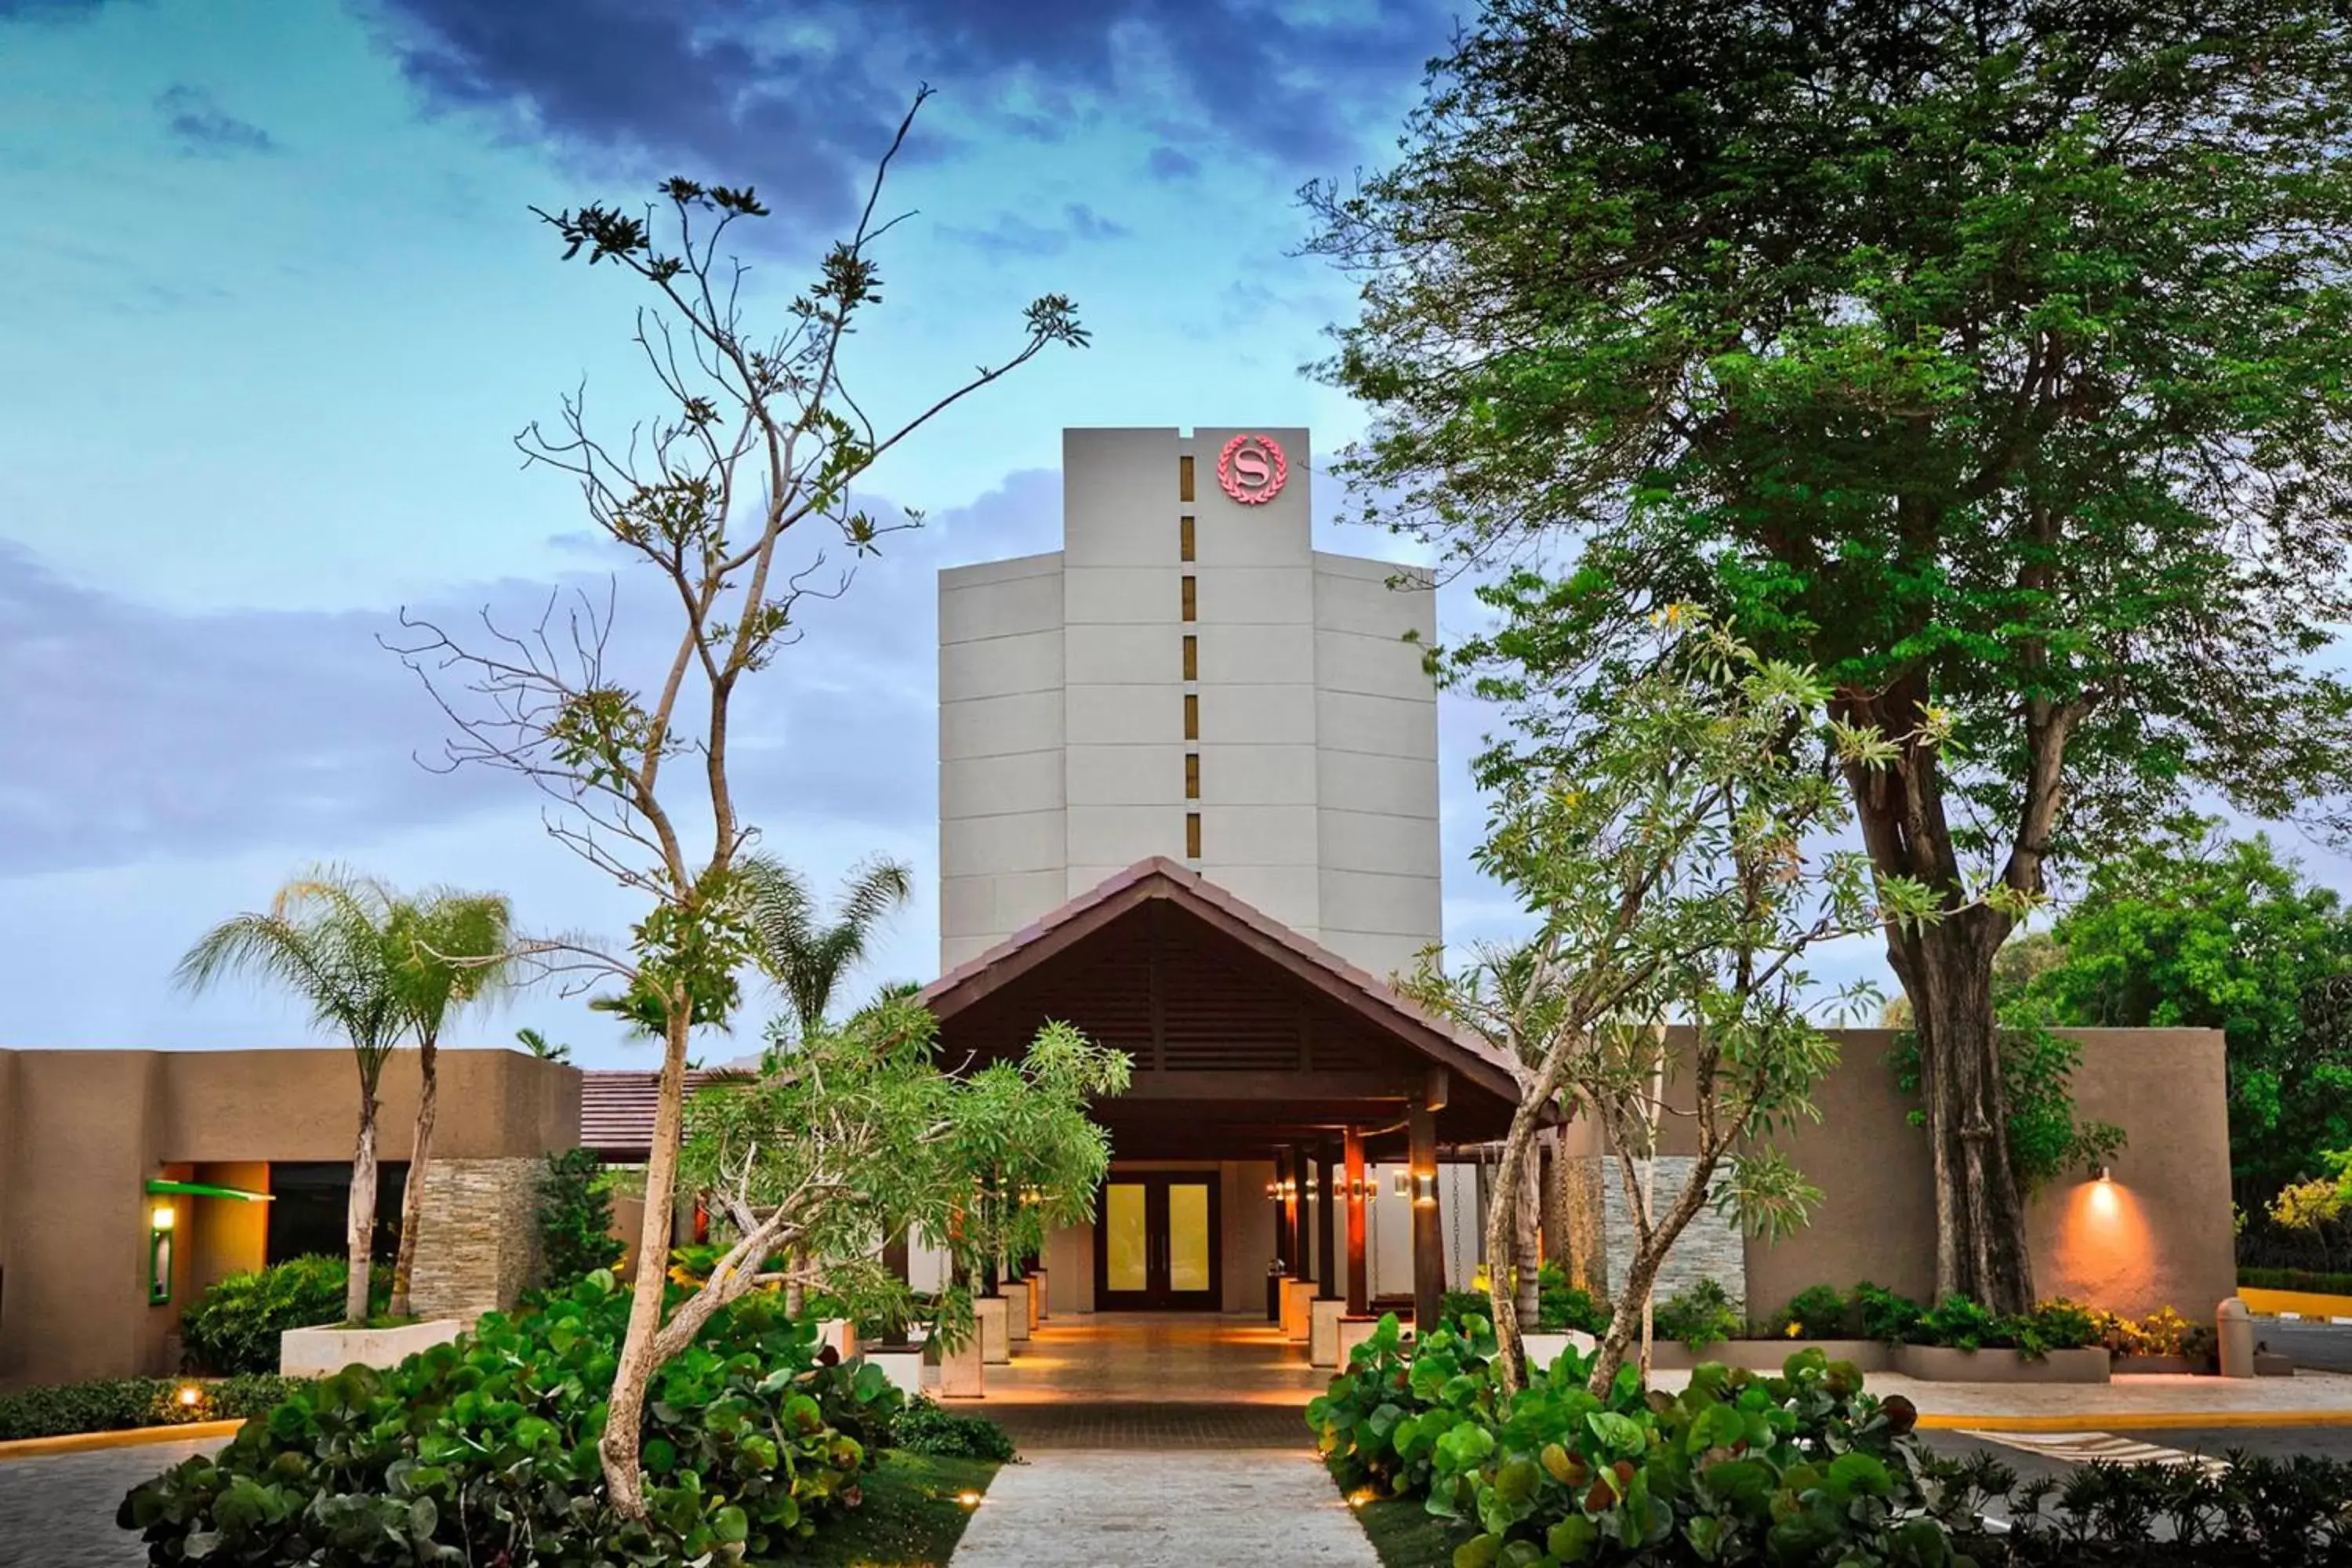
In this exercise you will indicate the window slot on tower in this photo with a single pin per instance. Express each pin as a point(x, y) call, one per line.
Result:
point(1184, 538)
point(1184, 477)
point(1191, 836)
point(1192, 599)
point(1192, 716)
point(1191, 775)
point(1191, 657)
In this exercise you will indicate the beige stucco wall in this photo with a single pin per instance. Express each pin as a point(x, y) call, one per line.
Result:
point(2157, 1235)
point(82, 1131)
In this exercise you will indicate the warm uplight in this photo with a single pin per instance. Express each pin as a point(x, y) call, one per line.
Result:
point(969, 1499)
point(163, 1217)
point(190, 1395)
point(1424, 1189)
point(1359, 1497)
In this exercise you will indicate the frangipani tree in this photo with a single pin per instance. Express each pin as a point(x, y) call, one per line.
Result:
point(761, 439)
point(858, 1135)
point(1672, 833)
point(325, 938)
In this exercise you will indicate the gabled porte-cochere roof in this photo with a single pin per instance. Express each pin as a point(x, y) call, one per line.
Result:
point(1245, 1035)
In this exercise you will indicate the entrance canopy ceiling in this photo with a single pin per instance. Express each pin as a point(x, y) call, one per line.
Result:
point(1245, 1035)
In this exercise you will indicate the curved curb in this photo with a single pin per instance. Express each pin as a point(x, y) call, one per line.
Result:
point(2136, 1420)
point(128, 1438)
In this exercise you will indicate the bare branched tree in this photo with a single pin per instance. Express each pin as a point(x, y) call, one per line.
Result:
point(759, 437)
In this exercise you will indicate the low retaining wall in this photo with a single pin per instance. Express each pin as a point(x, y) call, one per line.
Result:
point(1933, 1363)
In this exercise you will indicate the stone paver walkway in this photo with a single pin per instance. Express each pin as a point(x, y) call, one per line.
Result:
point(59, 1512)
point(1104, 1509)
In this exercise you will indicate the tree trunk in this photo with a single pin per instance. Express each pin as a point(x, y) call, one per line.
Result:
point(1527, 1252)
point(625, 1410)
point(1631, 1315)
point(1503, 1220)
point(360, 1216)
point(1980, 1246)
point(411, 1196)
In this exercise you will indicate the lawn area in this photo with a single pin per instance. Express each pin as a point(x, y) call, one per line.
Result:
point(1406, 1534)
point(910, 1518)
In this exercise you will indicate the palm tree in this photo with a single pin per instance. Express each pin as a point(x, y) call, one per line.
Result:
point(539, 1045)
point(448, 952)
point(322, 939)
point(806, 956)
point(803, 953)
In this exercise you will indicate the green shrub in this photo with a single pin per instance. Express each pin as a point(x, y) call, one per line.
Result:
point(1884, 1315)
point(575, 1220)
point(1563, 1308)
point(1456, 1308)
point(485, 1450)
point(923, 1427)
point(2295, 1280)
point(1380, 1421)
point(234, 1326)
point(1699, 1317)
point(2163, 1332)
point(1819, 1313)
point(120, 1404)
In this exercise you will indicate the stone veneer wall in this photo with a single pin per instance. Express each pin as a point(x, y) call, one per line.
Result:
point(1710, 1248)
point(478, 1244)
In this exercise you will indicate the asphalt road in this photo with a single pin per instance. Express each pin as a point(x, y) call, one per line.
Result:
point(2321, 1346)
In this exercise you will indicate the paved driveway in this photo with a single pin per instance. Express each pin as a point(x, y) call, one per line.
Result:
point(59, 1512)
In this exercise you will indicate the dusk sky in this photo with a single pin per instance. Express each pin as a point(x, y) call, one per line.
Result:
point(278, 305)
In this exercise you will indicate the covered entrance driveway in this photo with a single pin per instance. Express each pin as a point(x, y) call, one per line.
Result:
point(1269, 1075)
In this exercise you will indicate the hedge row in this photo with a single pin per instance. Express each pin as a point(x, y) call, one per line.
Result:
point(119, 1403)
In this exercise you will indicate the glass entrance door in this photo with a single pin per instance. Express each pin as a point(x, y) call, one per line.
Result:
point(1156, 1243)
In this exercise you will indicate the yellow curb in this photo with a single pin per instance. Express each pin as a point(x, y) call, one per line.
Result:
point(2137, 1420)
point(2309, 1303)
point(82, 1442)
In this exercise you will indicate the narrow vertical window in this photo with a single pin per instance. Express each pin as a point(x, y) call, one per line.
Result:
point(1184, 538)
point(1192, 601)
point(1184, 477)
point(1191, 657)
point(1191, 775)
point(1191, 836)
point(1192, 716)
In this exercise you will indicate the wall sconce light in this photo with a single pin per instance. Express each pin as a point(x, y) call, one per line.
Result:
point(160, 1224)
point(1403, 1183)
point(1273, 1192)
point(1424, 1189)
point(2100, 1174)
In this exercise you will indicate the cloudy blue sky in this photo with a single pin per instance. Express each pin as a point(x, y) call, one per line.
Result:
point(276, 305)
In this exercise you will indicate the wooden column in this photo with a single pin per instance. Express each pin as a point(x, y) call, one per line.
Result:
point(1428, 1238)
point(1282, 1253)
point(1359, 1285)
point(1302, 1261)
point(1328, 1274)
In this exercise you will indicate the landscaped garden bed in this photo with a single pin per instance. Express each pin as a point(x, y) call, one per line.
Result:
point(127, 1403)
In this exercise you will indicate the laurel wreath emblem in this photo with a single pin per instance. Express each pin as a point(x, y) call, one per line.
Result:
point(1226, 482)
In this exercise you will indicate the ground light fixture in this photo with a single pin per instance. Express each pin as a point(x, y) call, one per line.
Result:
point(969, 1499)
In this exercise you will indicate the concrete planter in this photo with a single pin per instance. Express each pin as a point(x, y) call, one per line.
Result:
point(995, 1339)
point(841, 1334)
point(962, 1374)
point(1543, 1349)
point(1018, 1320)
point(1298, 1309)
point(1932, 1363)
point(1354, 1331)
point(2129, 1365)
point(1772, 1355)
point(319, 1352)
point(902, 1364)
point(1323, 1331)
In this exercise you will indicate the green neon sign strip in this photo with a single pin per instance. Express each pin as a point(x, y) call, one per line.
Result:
point(206, 1189)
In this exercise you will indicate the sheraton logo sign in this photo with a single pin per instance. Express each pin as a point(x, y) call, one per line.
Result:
point(1252, 469)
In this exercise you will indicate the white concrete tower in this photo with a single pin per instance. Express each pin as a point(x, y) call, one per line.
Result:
point(1189, 677)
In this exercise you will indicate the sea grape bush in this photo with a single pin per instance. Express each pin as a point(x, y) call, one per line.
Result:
point(1562, 1308)
point(1382, 1420)
point(485, 1451)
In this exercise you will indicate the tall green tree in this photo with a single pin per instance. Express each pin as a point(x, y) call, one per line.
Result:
point(1987, 359)
point(325, 940)
point(450, 949)
point(2212, 932)
point(807, 951)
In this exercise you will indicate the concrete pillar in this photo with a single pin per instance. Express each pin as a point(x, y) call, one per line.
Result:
point(1428, 1235)
point(1328, 1215)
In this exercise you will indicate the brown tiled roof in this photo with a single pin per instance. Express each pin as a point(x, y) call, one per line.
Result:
point(1162, 878)
point(617, 1109)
